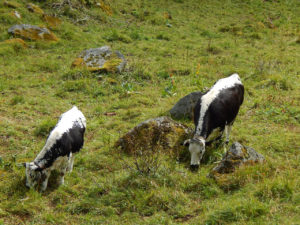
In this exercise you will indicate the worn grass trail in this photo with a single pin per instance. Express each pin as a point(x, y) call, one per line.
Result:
point(173, 48)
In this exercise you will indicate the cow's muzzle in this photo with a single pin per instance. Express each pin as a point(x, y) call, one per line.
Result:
point(194, 168)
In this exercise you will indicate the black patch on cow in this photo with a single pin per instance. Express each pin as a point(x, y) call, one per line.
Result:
point(222, 110)
point(71, 141)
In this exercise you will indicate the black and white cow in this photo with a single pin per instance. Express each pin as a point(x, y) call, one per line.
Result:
point(64, 141)
point(215, 112)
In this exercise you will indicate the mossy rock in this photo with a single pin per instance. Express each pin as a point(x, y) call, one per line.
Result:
point(11, 4)
point(32, 32)
point(156, 134)
point(100, 59)
point(34, 8)
point(235, 157)
point(17, 41)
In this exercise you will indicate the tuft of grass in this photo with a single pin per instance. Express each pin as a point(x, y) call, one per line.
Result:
point(275, 190)
point(17, 100)
point(162, 37)
point(117, 36)
point(245, 211)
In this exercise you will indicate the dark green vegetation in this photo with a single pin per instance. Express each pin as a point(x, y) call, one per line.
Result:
point(173, 48)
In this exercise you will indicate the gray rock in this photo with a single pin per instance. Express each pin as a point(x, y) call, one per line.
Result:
point(160, 133)
point(97, 59)
point(32, 32)
point(184, 108)
point(236, 156)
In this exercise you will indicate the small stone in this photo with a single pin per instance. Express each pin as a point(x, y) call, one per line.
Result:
point(101, 60)
point(184, 108)
point(236, 156)
point(32, 32)
point(16, 14)
point(160, 133)
point(11, 4)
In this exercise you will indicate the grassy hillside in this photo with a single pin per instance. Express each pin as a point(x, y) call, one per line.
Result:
point(173, 47)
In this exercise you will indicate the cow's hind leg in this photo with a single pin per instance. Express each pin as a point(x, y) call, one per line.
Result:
point(227, 133)
point(71, 162)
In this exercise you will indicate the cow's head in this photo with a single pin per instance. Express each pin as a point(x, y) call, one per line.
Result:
point(33, 174)
point(197, 148)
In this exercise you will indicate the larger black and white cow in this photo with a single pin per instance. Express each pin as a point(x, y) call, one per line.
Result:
point(64, 141)
point(215, 112)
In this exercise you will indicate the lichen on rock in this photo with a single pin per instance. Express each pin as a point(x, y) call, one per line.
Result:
point(236, 156)
point(32, 32)
point(53, 22)
point(160, 133)
point(100, 59)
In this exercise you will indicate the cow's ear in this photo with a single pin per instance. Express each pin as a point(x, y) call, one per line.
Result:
point(24, 164)
point(187, 142)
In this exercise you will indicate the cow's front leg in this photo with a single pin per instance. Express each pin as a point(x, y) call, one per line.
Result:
point(63, 170)
point(61, 178)
point(45, 178)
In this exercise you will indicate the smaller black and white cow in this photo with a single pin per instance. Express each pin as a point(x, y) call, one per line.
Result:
point(214, 112)
point(64, 141)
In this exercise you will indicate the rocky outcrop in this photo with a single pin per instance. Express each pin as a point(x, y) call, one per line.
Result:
point(184, 108)
point(32, 32)
point(160, 133)
point(236, 156)
point(101, 60)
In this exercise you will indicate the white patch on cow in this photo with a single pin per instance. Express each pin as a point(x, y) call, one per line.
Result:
point(65, 123)
point(211, 95)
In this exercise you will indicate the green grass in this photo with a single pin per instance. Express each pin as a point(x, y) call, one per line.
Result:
point(167, 58)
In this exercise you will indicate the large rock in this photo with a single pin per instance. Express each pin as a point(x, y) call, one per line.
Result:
point(101, 59)
point(184, 108)
point(161, 133)
point(32, 32)
point(236, 156)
